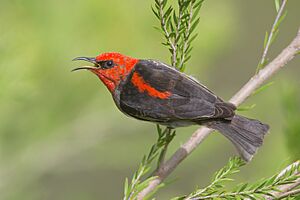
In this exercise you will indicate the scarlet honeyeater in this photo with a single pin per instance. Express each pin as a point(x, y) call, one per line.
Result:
point(152, 91)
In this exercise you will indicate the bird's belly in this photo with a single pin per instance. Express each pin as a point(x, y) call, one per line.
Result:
point(176, 124)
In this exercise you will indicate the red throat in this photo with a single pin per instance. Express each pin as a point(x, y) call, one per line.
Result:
point(113, 76)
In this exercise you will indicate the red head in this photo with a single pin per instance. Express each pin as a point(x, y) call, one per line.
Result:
point(111, 68)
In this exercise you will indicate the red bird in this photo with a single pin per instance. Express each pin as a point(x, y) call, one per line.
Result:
point(152, 91)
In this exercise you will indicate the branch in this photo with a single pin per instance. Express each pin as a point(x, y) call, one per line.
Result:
point(199, 135)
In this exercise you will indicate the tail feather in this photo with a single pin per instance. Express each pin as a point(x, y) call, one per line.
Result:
point(246, 134)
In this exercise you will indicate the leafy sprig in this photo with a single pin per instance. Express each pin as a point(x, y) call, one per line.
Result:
point(220, 176)
point(137, 184)
point(260, 190)
point(178, 29)
point(270, 38)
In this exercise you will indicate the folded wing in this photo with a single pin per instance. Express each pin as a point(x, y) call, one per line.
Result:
point(159, 93)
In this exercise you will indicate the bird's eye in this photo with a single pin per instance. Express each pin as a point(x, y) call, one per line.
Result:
point(109, 63)
point(106, 64)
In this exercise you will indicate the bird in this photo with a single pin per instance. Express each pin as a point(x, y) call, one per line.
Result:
point(150, 90)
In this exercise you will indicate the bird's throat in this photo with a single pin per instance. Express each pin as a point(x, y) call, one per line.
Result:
point(109, 83)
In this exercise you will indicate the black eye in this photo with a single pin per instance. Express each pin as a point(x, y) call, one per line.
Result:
point(106, 64)
point(109, 63)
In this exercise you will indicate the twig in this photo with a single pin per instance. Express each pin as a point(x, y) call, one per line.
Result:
point(177, 35)
point(220, 196)
point(185, 45)
point(270, 38)
point(286, 190)
point(134, 184)
point(220, 176)
point(199, 135)
point(167, 34)
point(289, 193)
point(283, 195)
point(169, 137)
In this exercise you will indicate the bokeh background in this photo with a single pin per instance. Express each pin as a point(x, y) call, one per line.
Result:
point(61, 136)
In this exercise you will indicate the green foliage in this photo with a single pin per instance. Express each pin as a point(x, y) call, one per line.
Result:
point(268, 41)
point(277, 5)
point(178, 28)
point(262, 88)
point(219, 178)
point(137, 184)
point(246, 108)
point(270, 38)
point(258, 190)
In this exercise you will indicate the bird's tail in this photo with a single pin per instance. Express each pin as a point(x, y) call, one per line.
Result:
point(246, 134)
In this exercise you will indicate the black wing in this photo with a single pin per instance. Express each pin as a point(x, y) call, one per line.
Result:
point(188, 100)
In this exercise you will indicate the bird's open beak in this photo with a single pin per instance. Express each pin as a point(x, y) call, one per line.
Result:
point(91, 60)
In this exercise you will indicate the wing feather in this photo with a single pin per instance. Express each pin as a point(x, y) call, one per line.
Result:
point(189, 100)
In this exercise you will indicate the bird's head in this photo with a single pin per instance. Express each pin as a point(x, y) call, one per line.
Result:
point(111, 68)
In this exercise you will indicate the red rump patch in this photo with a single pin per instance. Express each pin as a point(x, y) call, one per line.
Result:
point(142, 86)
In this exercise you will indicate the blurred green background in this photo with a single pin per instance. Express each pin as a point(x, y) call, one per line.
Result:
point(61, 136)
